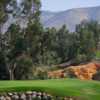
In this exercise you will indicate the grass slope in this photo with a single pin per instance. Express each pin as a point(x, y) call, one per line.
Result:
point(87, 90)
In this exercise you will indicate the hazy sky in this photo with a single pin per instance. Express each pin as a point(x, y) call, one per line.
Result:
point(60, 5)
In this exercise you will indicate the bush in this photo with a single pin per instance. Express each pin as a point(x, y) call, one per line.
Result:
point(81, 58)
point(97, 76)
point(69, 73)
point(40, 73)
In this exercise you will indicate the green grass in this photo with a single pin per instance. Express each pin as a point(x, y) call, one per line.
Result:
point(98, 54)
point(87, 90)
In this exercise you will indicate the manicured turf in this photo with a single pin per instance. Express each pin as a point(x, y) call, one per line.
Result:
point(87, 90)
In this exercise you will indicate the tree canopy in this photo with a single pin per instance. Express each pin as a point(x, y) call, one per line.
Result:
point(21, 49)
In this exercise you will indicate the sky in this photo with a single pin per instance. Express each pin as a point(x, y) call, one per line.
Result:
point(61, 5)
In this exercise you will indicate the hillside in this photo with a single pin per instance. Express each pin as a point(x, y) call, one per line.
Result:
point(70, 17)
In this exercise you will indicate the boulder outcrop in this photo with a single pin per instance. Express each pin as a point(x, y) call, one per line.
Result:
point(83, 72)
point(56, 74)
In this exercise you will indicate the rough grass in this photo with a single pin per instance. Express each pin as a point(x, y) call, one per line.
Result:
point(86, 90)
point(98, 54)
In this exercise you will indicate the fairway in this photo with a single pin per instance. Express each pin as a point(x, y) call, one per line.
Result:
point(86, 90)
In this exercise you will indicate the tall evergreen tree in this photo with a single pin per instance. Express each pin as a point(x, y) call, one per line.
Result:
point(87, 40)
point(3, 18)
point(62, 40)
point(15, 39)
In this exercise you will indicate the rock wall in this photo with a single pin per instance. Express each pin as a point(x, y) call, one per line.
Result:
point(56, 74)
point(83, 72)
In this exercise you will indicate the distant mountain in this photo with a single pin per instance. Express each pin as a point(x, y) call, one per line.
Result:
point(70, 17)
point(46, 15)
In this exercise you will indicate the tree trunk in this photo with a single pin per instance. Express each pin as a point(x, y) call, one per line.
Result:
point(11, 75)
point(11, 71)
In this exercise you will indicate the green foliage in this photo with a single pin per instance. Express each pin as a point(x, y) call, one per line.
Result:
point(40, 73)
point(48, 47)
point(43, 46)
point(88, 38)
point(3, 70)
point(4, 2)
point(62, 43)
point(73, 45)
point(24, 66)
point(3, 15)
point(15, 41)
point(33, 41)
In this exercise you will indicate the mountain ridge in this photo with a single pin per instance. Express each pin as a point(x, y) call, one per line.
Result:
point(70, 17)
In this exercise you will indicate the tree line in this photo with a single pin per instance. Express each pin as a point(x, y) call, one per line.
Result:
point(23, 49)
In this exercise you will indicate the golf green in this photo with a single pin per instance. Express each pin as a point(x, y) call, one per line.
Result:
point(86, 90)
